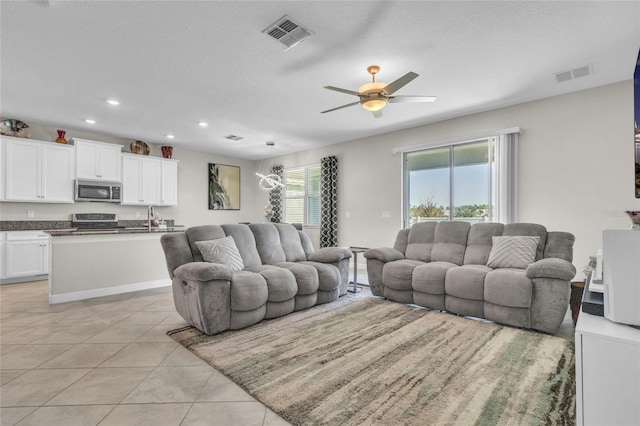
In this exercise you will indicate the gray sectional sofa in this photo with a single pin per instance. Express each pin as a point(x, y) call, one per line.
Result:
point(469, 270)
point(233, 276)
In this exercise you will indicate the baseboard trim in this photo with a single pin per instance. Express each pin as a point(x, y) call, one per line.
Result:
point(106, 291)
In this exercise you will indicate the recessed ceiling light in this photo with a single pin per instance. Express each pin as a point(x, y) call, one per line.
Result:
point(90, 121)
point(112, 101)
point(169, 136)
point(203, 123)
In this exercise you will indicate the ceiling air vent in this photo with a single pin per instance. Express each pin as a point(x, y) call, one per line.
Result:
point(287, 32)
point(573, 74)
point(233, 137)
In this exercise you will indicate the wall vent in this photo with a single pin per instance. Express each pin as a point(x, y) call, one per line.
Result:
point(563, 76)
point(233, 137)
point(288, 32)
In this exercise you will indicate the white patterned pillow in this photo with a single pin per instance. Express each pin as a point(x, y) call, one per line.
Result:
point(221, 250)
point(513, 252)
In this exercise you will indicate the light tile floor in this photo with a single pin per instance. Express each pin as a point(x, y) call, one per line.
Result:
point(108, 361)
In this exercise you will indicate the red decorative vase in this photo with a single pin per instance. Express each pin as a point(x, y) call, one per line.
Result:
point(167, 151)
point(61, 138)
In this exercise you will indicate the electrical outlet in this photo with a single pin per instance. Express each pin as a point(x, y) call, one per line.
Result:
point(347, 215)
point(386, 215)
point(31, 214)
point(137, 215)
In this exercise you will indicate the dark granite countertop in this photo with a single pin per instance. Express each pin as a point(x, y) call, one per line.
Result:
point(137, 230)
point(67, 226)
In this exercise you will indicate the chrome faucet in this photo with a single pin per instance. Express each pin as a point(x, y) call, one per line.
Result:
point(150, 216)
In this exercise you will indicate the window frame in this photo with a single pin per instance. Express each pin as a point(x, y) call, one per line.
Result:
point(502, 185)
point(307, 194)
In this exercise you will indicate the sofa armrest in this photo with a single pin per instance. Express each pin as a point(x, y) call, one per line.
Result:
point(384, 254)
point(330, 254)
point(551, 268)
point(203, 271)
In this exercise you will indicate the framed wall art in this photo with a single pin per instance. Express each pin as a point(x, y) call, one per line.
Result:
point(636, 127)
point(224, 187)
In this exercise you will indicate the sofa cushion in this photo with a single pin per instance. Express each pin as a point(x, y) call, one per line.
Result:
point(328, 275)
point(419, 241)
point(248, 292)
point(280, 281)
point(223, 251)
point(508, 287)
point(202, 233)
point(291, 244)
point(479, 242)
point(450, 242)
point(429, 277)
point(467, 281)
point(306, 277)
point(397, 275)
point(559, 245)
point(268, 243)
point(245, 242)
point(513, 252)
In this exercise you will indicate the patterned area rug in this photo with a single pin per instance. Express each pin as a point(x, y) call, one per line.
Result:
point(375, 362)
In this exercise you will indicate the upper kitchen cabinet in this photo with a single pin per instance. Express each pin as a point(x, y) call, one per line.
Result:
point(140, 180)
point(168, 183)
point(98, 160)
point(149, 181)
point(37, 171)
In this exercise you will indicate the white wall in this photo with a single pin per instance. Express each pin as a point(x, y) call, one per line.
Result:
point(576, 167)
point(192, 208)
point(576, 172)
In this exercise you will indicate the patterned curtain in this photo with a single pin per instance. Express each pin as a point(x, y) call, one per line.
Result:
point(276, 195)
point(329, 202)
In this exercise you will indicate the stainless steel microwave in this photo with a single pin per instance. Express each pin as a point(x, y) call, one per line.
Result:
point(92, 190)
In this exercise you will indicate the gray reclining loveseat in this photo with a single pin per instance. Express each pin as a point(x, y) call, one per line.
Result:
point(464, 269)
point(233, 276)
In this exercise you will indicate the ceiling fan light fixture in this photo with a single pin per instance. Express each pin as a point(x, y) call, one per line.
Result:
point(371, 87)
point(375, 104)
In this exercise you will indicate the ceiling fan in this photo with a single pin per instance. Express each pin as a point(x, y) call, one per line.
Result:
point(374, 96)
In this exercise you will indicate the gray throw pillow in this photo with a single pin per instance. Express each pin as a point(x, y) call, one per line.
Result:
point(513, 252)
point(221, 250)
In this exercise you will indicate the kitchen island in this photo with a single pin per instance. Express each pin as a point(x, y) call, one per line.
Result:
point(91, 263)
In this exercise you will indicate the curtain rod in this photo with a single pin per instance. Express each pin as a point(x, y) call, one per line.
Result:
point(451, 141)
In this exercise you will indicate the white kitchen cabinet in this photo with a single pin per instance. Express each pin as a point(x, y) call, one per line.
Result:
point(98, 160)
point(25, 254)
point(149, 181)
point(169, 183)
point(140, 180)
point(37, 171)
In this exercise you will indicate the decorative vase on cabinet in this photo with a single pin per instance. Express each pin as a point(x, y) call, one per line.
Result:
point(61, 138)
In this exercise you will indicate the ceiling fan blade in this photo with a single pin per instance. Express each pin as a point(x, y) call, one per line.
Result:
point(377, 114)
point(391, 88)
point(337, 89)
point(340, 107)
point(406, 99)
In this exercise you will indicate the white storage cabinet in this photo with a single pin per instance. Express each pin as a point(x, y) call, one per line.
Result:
point(98, 160)
point(37, 171)
point(149, 181)
point(169, 183)
point(607, 372)
point(24, 254)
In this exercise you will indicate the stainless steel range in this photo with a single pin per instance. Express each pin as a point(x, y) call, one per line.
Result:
point(95, 221)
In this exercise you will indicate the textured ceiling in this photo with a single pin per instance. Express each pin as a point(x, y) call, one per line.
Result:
point(174, 63)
